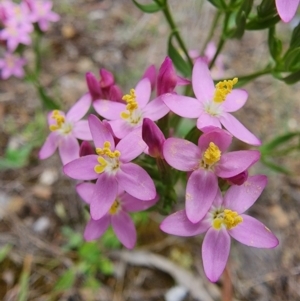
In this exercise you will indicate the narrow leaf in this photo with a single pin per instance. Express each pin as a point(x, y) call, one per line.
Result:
point(148, 8)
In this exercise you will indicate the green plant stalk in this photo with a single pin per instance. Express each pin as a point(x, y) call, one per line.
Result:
point(211, 31)
point(254, 75)
point(170, 20)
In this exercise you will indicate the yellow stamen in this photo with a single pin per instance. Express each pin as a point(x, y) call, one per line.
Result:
point(228, 218)
point(60, 121)
point(114, 207)
point(131, 106)
point(223, 88)
point(212, 154)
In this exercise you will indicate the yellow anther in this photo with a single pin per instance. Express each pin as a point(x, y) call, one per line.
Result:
point(60, 120)
point(106, 144)
point(131, 106)
point(223, 88)
point(99, 168)
point(228, 218)
point(212, 154)
point(114, 207)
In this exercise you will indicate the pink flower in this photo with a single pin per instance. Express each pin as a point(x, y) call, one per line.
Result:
point(12, 65)
point(287, 9)
point(124, 118)
point(41, 12)
point(65, 130)
point(112, 169)
point(103, 89)
point(15, 34)
point(205, 162)
point(225, 218)
point(117, 216)
point(213, 104)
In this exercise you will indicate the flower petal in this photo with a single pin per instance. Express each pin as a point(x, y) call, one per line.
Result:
point(121, 128)
point(253, 233)
point(85, 191)
point(215, 252)
point(131, 146)
point(155, 109)
point(124, 228)
point(100, 132)
point(68, 149)
point(178, 224)
point(287, 9)
point(183, 106)
point(109, 109)
point(238, 130)
point(49, 146)
point(235, 100)
point(132, 204)
point(135, 180)
point(105, 193)
point(81, 130)
point(94, 229)
point(203, 84)
point(233, 163)
point(82, 168)
point(80, 108)
point(181, 154)
point(240, 198)
point(218, 136)
point(201, 190)
point(206, 120)
point(143, 92)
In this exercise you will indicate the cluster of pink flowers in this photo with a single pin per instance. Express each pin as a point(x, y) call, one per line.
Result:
point(114, 186)
point(17, 22)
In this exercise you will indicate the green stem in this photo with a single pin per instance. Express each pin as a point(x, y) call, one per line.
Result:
point(170, 20)
point(211, 31)
point(246, 78)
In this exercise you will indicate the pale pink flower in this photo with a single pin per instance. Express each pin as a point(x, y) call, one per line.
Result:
point(213, 104)
point(112, 168)
point(12, 64)
point(117, 216)
point(65, 130)
point(206, 162)
point(287, 9)
point(225, 218)
point(125, 118)
point(41, 12)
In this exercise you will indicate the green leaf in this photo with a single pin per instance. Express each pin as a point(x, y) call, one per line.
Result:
point(295, 39)
point(180, 64)
point(4, 251)
point(292, 78)
point(15, 158)
point(48, 102)
point(269, 147)
point(292, 58)
point(218, 4)
point(258, 23)
point(240, 26)
point(65, 281)
point(148, 8)
point(275, 45)
point(275, 167)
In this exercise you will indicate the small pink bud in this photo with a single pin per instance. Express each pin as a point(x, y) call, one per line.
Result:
point(93, 85)
point(86, 149)
point(167, 78)
point(107, 78)
point(115, 94)
point(153, 137)
point(239, 179)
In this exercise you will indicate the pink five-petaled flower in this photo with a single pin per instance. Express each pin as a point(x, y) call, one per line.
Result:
point(213, 104)
point(112, 169)
point(125, 118)
point(11, 65)
point(287, 9)
point(205, 162)
point(65, 129)
point(41, 12)
point(224, 219)
point(117, 215)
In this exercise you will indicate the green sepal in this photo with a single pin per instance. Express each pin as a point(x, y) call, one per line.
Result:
point(262, 23)
point(275, 45)
point(266, 8)
point(292, 59)
point(218, 4)
point(181, 65)
point(295, 39)
point(148, 8)
point(292, 78)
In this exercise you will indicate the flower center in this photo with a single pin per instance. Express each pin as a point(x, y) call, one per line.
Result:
point(132, 113)
point(223, 88)
point(115, 207)
point(211, 156)
point(226, 217)
point(108, 160)
point(61, 124)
